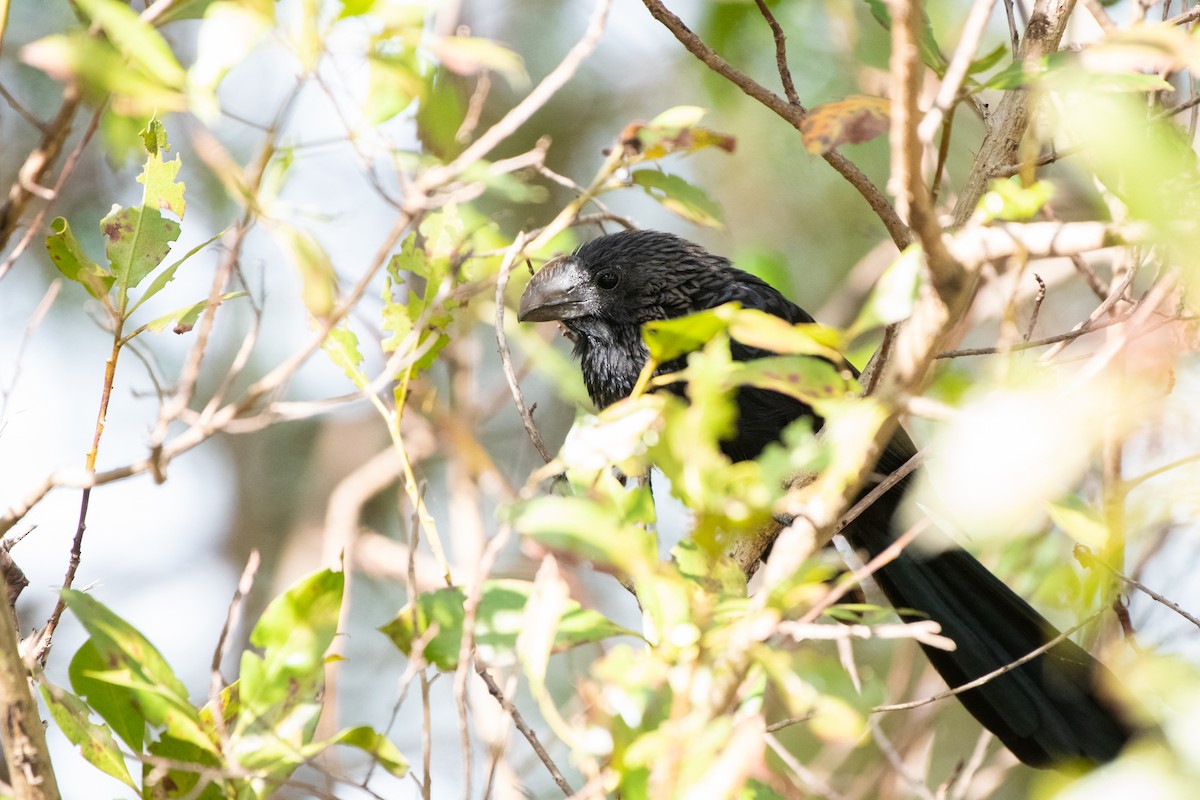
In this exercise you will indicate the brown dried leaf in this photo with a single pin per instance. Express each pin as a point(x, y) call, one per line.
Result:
point(856, 119)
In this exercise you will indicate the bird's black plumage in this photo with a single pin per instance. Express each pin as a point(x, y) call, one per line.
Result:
point(1048, 711)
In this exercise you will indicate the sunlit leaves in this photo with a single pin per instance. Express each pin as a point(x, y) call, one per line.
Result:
point(498, 624)
point(853, 120)
point(594, 529)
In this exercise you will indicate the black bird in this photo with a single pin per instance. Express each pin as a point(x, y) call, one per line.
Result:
point(1050, 711)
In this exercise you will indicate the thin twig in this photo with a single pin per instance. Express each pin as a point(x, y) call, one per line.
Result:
point(982, 679)
point(510, 375)
point(523, 727)
point(519, 114)
point(785, 74)
point(232, 617)
point(1089, 559)
point(1071, 335)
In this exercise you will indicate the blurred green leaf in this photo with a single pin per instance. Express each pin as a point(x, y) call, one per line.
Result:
point(136, 40)
point(393, 81)
point(67, 254)
point(894, 294)
point(104, 74)
point(589, 529)
point(231, 30)
point(1080, 521)
point(679, 197)
point(498, 623)
point(318, 278)
point(95, 742)
point(989, 60)
point(1008, 199)
point(471, 55)
point(931, 55)
point(756, 328)
point(371, 742)
point(341, 345)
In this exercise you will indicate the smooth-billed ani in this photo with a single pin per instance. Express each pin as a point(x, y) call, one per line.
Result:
point(1048, 711)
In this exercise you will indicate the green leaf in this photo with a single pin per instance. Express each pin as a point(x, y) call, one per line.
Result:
point(185, 318)
point(669, 339)
point(986, 62)
point(67, 254)
point(765, 331)
point(167, 275)
point(341, 345)
point(371, 742)
point(1080, 521)
point(1010, 200)
point(95, 742)
point(279, 692)
point(393, 80)
point(498, 622)
point(316, 269)
point(162, 190)
point(138, 241)
point(116, 705)
point(808, 379)
point(593, 530)
point(931, 55)
point(130, 661)
point(136, 40)
point(298, 626)
point(679, 197)
point(471, 55)
point(894, 294)
point(154, 136)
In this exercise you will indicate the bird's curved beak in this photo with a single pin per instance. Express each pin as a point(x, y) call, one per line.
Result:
point(560, 290)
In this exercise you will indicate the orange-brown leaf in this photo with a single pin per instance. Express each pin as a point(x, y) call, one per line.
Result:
point(851, 121)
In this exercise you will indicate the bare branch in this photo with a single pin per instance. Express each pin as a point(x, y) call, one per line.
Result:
point(785, 74)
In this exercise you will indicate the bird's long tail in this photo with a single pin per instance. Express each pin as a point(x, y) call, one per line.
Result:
point(1048, 711)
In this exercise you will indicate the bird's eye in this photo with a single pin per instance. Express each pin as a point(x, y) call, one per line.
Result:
point(608, 279)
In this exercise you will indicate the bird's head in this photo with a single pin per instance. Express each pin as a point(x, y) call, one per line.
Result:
point(622, 279)
point(607, 289)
